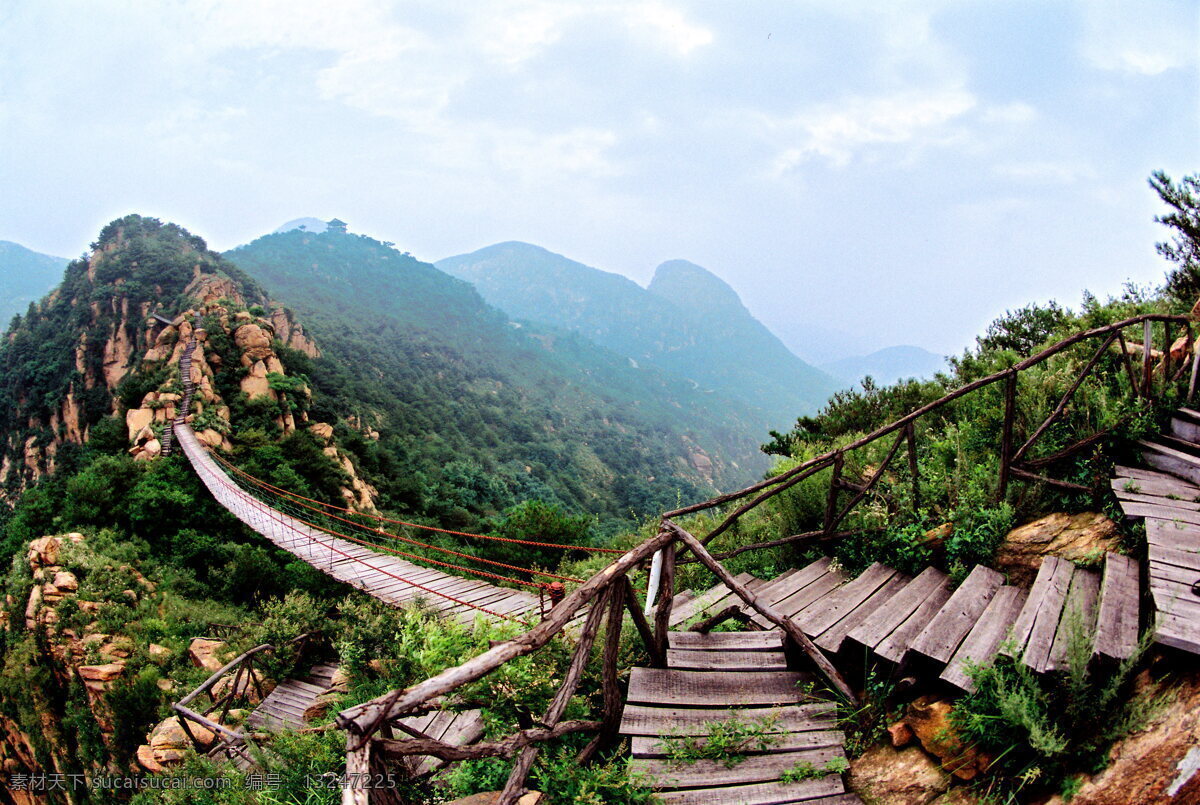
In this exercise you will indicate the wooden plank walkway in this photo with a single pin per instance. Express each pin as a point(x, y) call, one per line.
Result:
point(920, 623)
point(284, 708)
point(1167, 497)
point(712, 679)
point(390, 579)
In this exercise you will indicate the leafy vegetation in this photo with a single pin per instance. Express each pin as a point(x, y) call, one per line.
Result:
point(727, 740)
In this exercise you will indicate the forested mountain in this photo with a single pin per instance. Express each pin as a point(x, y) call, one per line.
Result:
point(687, 322)
point(481, 411)
point(886, 366)
point(25, 276)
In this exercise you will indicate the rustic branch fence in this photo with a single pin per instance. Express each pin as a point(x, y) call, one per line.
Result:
point(231, 741)
point(606, 599)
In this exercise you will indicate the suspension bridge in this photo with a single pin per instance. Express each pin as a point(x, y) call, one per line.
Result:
point(812, 620)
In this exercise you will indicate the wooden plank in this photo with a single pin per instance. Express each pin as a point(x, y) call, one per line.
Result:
point(1161, 512)
point(981, 643)
point(1080, 609)
point(794, 603)
point(726, 661)
point(1117, 620)
point(1171, 501)
point(638, 719)
point(1176, 632)
point(726, 641)
point(754, 769)
point(1042, 606)
point(781, 588)
point(883, 621)
point(833, 638)
point(1123, 487)
point(705, 602)
point(1171, 461)
point(1180, 558)
point(826, 790)
point(1143, 473)
point(658, 746)
point(1168, 534)
point(938, 640)
point(828, 610)
point(893, 647)
point(712, 688)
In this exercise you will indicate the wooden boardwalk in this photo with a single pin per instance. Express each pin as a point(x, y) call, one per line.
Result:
point(285, 707)
point(920, 623)
point(390, 579)
point(713, 679)
point(1167, 497)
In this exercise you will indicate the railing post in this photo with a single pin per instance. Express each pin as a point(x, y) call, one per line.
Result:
point(356, 790)
point(1195, 366)
point(835, 481)
point(1166, 354)
point(1147, 357)
point(662, 614)
point(1010, 397)
point(911, 436)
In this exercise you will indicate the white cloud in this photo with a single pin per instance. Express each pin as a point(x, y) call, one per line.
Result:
point(1043, 172)
point(1139, 38)
point(838, 132)
point(667, 25)
point(539, 159)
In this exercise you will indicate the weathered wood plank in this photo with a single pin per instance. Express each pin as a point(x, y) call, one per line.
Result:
point(834, 637)
point(893, 647)
point(1079, 612)
point(1171, 461)
point(707, 601)
point(1161, 512)
point(754, 769)
point(774, 593)
point(981, 643)
point(794, 603)
point(1177, 557)
point(1117, 619)
point(638, 719)
point(939, 639)
point(826, 790)
point(713, 689)
point(828, 610)
point(1143, 474)
point(885, 620)
point(726, 661)
point(657, 746)
point(726, 641)
point(1042, 608)
point(1169, 534)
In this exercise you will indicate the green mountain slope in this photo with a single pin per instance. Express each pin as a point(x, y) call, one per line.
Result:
point(482, 411)
point(888, 365)
point(25, 276)
point(687, 322)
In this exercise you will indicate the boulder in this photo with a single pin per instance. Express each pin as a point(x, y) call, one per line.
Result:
point(900, 734)
point(146, 759)
point(205, 653)
point(254, 341)
point(44, 551)
point(1076, 537)
point(136, 419)
point(255, 383)
point(169, 735)
point(935, 538)
point(929, 718)
point(209, 437)
point(153, 447)
point(897, 776)
point(64, 580)
point(248, 685)
point(97, 676)
point(321, 430)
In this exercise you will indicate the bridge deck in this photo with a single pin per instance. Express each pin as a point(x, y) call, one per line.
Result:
point(390, 579)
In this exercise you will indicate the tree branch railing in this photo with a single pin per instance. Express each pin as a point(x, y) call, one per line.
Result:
point(244, 676)
point(1014, 460)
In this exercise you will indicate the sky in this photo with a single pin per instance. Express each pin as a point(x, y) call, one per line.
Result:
point(864, 174)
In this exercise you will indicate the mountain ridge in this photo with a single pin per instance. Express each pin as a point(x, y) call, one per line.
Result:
point(689, 322)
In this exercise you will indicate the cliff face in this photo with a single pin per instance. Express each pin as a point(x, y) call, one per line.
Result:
point(108, 341)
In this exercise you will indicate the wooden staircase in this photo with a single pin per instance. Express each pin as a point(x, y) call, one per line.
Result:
point(1167, 497)
point(923, 625)
point(715, 678)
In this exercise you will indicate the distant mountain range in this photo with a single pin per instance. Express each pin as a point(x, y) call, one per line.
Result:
point(687, 322)
point(887, 366)
point(25, 276)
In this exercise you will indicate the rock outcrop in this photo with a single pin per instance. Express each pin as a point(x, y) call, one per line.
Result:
point(1077, 537)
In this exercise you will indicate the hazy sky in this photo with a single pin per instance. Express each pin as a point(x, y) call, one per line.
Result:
point(898, 171)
